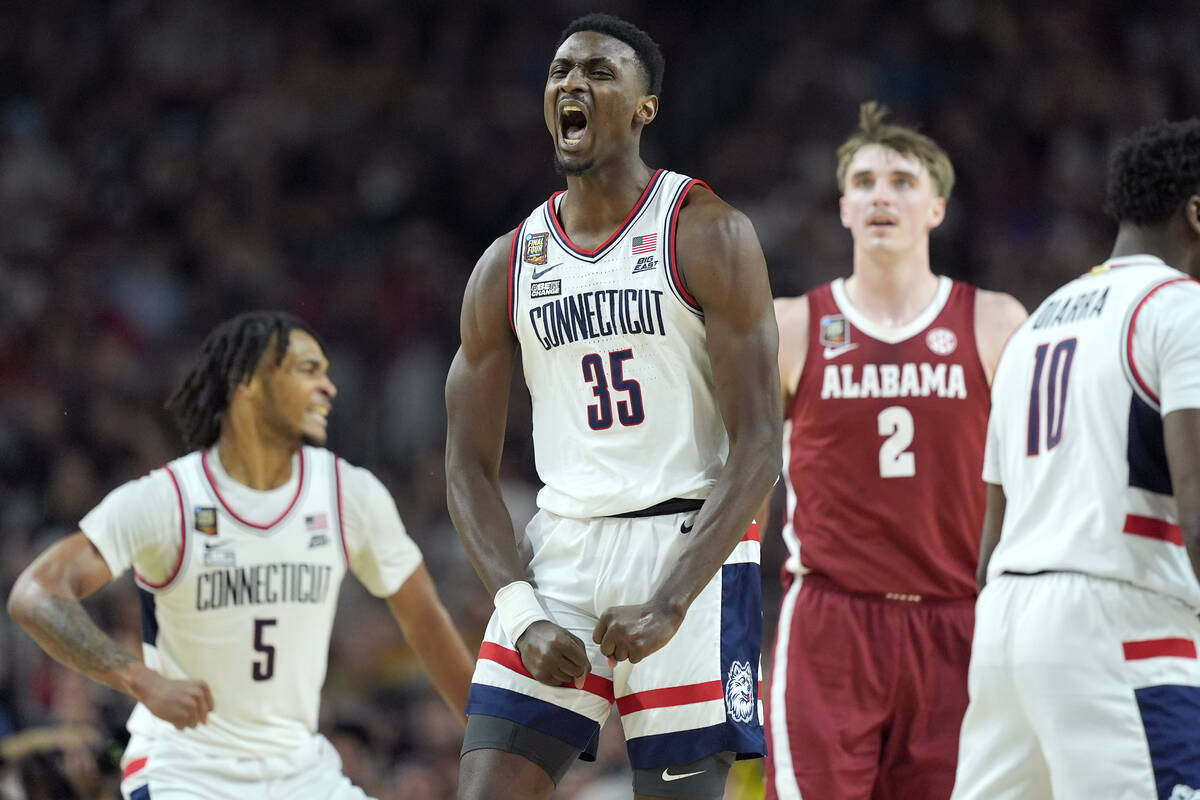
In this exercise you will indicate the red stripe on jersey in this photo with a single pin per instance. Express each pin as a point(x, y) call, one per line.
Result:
point(1137, 376)
point(1153, 528)
point(299, 488)
point(137, 765)
point(620, 229)
point(671, 696)
point(337, 479)
point(1159, 648)
point(511, 659)
point(512, 278)
point(683, 292)
point(752, 534)
point(182, 537)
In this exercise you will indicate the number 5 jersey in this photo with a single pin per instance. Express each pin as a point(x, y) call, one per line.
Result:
point(239, 587)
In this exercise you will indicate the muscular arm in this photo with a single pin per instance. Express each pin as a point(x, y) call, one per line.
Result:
point(477, 410)
point(45, 601)
point(993, 522)
point(725, 271)
point(432, 635)
point(477, 390)
point(997, 315)
point(1181, 433)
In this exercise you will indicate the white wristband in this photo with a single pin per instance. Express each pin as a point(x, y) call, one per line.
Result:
point(518, 608)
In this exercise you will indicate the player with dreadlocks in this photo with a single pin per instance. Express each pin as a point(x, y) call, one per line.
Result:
point(1084, 678)
point(238, 549)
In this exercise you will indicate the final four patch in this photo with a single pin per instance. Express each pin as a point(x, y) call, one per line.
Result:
point(834, 330)
point(206, 520)
point(535, 248)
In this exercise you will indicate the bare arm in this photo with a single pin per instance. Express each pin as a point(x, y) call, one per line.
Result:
point(1181, 432)
point(45, 601)
point(993, 522)
point(432, 635)
point(724, 270)
point(477, 390)
point(997, 315)
point(791, 313)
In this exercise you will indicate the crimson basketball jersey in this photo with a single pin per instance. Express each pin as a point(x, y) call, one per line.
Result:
point(884, 446)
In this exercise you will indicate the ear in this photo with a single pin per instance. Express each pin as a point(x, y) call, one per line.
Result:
point(1191, 214)
point(647, 110)
point(937, 212)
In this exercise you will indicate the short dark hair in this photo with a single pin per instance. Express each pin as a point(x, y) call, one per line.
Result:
point(646, 49)
point(228, 355)
point(1153, 172)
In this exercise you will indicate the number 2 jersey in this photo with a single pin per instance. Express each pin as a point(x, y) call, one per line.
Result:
point(883, 444)
point(615, 357)
point(1076, 432)
point(239, 587)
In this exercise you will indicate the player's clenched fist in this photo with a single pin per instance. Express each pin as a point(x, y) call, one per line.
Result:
point(552, 654)
point(183, 703)
point(634, 632)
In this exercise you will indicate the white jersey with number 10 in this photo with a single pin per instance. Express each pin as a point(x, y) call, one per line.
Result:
point(1076, 434)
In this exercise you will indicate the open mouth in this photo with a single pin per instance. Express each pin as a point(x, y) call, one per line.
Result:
point(572, 123)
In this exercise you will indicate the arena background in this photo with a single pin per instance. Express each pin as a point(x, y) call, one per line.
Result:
point(165, 164)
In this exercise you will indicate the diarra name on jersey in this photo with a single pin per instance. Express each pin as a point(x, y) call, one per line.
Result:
point(597, 314)
point(894, 380)
point(263, 584)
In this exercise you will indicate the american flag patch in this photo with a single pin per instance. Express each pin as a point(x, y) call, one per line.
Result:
point(316, 522)
point(645, 244)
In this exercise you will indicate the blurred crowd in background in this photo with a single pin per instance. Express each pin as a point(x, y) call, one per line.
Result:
point(165, 164)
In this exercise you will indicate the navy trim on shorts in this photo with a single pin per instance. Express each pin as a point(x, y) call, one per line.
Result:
point(676, 505)
point(140, 793)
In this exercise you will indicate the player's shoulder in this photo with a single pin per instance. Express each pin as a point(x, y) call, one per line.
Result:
point(498, 254)
point(706, 218)
point(998, 310)
point(791, 313)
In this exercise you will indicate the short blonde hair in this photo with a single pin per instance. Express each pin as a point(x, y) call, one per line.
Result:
point(906, 141)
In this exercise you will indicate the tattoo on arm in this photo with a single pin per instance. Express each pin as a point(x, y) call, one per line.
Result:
point(64, 629)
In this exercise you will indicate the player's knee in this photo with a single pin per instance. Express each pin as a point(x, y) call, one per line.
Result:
point(697, 780)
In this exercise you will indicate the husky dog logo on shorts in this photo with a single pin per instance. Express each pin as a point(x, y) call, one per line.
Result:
point(1181, 792)
point(739, 692)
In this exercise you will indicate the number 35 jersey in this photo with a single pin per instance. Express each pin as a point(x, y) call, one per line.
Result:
point(1076, 432)
point(615, 357)
point(884, 445)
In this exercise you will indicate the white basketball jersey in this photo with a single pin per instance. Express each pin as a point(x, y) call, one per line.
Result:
point(1076, 439)
point(615, 358)
point(249, 610)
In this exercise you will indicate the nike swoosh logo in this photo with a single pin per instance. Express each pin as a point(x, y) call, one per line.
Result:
point(687, 527)
point(834, 352)
point(667, 776)
point(539, 273)
point(215, 545)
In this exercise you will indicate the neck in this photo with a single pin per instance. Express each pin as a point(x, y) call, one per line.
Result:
point(598, 202)
point(891, 294)
point(1140, 239)
point(252, 460)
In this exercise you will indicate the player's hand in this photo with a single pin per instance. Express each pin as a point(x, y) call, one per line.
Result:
point(183, 703)
point(630, 633)
point(553, 655)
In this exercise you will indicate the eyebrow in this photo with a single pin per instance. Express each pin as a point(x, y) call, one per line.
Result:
point(587, 62)
point(905, 172)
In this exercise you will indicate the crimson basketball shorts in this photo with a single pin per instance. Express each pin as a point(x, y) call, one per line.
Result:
point(697, 696)
point(1081, 687)
point(867, 694)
